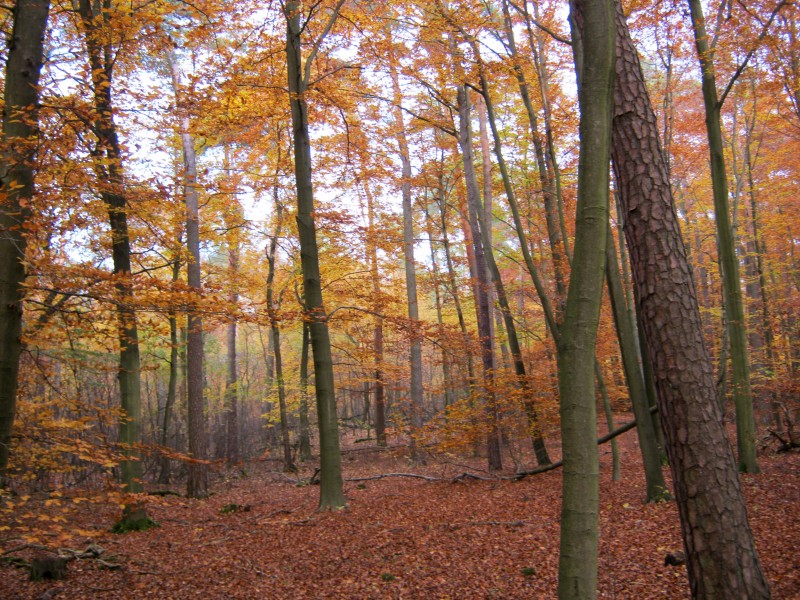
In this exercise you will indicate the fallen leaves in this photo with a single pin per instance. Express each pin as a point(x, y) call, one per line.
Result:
point(407, 537)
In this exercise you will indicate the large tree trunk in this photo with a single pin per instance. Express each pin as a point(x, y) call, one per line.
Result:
point(732, 290)
point(594, 61)
point(108, 167)
point(20, 129)
point(331, 495)
point(721, 556)
point(197, 481)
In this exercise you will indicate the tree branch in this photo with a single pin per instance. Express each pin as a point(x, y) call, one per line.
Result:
point(747, 58)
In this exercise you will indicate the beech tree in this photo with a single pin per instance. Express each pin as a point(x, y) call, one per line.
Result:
point(593, 46)
point(20, 128)
point(331, 495)
point(107, 163)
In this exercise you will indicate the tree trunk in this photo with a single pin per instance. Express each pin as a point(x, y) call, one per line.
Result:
point(272, 310)
point(20, 130)
point(331, 495)
point(548, 188)
point(648, 442)
point(377, 332)
point(197, 480)
point(108, 167)
point(232, 450)
point(446, 383)
point(482, 283)
point(734, 308)
point(721, 556)
point(594, 61)
point(416, 390)
point(305, 441)
point(539, 447)
point(172, 384)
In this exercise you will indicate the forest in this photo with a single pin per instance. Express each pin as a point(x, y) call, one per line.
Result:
point(424, 299)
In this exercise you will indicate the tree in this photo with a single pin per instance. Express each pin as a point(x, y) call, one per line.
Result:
point(197, 481)
point(415, 353)
point(331, 494)
point(593, 46)
point(107, 162)
point(20, 129)
point(721, 557)
point(732, 290)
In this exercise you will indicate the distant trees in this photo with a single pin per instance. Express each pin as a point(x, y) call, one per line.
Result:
point(414, 233)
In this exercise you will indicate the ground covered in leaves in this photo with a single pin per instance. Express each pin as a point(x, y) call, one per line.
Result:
point(259, 536)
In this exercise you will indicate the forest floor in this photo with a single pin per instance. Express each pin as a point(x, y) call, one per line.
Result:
point(259, 536)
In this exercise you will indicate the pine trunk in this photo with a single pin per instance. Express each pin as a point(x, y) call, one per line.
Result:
point(721, 557)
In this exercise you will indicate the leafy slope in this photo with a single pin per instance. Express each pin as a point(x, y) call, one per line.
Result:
point(410, 538)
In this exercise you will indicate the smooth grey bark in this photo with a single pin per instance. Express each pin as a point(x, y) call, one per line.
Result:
point(197, 433)
point(732, 290)
point(20, 132)
point(539, 447)
point(721, 557)
point(305, 436)
point(482, 282)
point(415, 342)
point(377, 330)
point(273, 305)
point(593, 46)
point(331, 495)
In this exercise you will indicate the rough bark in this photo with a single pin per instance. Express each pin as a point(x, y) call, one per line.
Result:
point(594, 61)
point(20, 130)
point(721, 557)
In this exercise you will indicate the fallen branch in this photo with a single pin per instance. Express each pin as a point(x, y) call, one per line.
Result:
point(385, 475)
point(601, 440)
